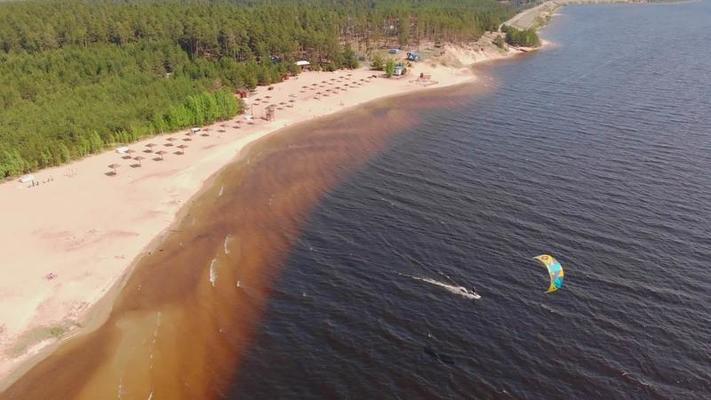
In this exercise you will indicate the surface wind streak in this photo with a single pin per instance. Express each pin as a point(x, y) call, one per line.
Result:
point(597, 151)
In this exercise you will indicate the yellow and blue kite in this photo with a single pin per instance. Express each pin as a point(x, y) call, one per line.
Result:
point(555, 271)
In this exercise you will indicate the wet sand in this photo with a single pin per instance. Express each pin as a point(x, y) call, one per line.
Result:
point(178, 328)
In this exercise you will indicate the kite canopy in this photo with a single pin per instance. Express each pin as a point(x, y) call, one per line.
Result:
point(555, 271)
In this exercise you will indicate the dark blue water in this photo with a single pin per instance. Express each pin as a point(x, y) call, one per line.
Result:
point(597, 151)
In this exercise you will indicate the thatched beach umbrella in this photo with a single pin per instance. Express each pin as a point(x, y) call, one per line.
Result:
point(114, 167)
point(139, 159)
point(150, 147)
point(182, 148)
point(160, 153)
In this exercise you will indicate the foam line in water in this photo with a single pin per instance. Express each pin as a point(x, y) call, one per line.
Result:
point(213, 272)
point(119, 389)
point(227, 240)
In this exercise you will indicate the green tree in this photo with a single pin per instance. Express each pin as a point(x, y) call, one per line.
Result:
point(377, 63)
point(389, 68)
point(526, 38)
point(350, 59)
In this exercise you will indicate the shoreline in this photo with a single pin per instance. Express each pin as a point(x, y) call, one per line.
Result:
point(292, 170)
point(538, 16)
point(85, 307)
point(174, 185)
point(98, 313)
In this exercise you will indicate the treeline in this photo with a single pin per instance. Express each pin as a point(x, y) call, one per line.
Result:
point(526, 38)
point(63, 104)
point(56, 148)
point(77, 76)
point(245, 28)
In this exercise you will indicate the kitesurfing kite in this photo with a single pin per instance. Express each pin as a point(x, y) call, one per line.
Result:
point(555, 271)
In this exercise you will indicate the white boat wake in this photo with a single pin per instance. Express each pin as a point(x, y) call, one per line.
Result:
point(458, 290)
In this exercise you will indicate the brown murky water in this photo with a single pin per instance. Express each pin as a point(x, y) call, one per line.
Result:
point(186, 315)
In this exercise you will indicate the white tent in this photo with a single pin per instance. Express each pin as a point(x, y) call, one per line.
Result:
point(302, 63)
point(122, 150)
point(195, 130)
point(27, 178)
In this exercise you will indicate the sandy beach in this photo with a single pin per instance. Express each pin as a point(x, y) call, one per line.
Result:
point(71, 239)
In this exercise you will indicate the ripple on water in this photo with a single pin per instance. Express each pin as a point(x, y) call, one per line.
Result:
point(596, 154)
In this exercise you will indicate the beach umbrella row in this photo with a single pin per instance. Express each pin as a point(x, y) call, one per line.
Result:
point(139, 158)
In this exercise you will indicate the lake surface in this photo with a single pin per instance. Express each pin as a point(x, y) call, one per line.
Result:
point(597, 151)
